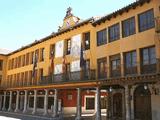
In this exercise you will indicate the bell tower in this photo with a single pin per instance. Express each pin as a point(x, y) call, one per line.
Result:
point(69, 20)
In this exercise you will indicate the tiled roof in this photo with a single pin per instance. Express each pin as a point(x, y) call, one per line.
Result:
point(120, 11)
point(4, 51)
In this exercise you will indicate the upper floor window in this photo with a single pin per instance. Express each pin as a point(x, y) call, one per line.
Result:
point(42, 55)
point(101, 37)
point(148, 60)
point(68, 47)
point(1, 64)
point(130, 59)
point(0, 79)
point(23, 60)
point(102, 68)
point(37, 54)
point(32, 58)
point(130, 62)
point(52, 50)
point(148, 56)
point(128, 27)
point(115, 65)
point(86, 40)
point(41, 73)
point(146, 20)
point(27, 58)
point(12, 63)
point(114, 32)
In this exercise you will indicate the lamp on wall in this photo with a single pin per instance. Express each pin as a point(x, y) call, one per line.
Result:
point(110, 89)
point(145, 86)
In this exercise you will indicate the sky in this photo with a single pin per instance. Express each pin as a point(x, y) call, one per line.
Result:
point(24, 21)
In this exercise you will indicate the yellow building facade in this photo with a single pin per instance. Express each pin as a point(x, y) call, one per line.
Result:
point(122, 58)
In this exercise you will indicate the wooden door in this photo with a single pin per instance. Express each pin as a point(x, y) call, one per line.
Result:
point(117, 105)
point(142, 104)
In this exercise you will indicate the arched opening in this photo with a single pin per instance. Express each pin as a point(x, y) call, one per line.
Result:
point(142, 104)
point(117, 105)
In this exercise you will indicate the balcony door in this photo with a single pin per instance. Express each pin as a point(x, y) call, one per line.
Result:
point(102, 68)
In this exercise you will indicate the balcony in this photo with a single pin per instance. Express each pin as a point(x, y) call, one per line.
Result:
point(146, 69)
point(78, 76)
point(116, 72)
point(131, 71)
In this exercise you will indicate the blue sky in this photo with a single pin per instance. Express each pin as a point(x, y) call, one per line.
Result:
point(23, 21)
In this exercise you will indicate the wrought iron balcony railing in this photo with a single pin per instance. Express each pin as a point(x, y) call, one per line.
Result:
point(130, 70)
point(76, 76)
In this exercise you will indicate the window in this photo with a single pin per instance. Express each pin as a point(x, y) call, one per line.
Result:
point(130, 62)
point(41, 73)
point(69, 96)
point(42, 55)
point(114, 32)
point(12, 63)
point(103, 103)
point(128, 27)
point(90, 103)
point(23, 60)
point(101, 37)
point(9, 65)
point(52, 50)
point(19, 61)
point(148, 60)
point(1, 64)
point(26, 78)
point(0, 79)
point(148, 56)
point(68, 47)
point(87, 69)
point(115, 65)
point(102, 68)
point(32, 58)
point(30, 78)
point(27, 59)
point(18, 79)
point(130, 59)
point(16, 62)
point(22, 78)
point(86, 40)
point(37, 53)
point(146, 20)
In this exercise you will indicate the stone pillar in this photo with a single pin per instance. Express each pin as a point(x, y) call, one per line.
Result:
point(98, 104)
point(0, 102)
point(25, 102)
point(138, 62)
point(122, 65)
point(55, 109)
point(79, 107)
point(4, 102)
point(109, 106)
point(35, 102)
point(127, 103)
point(17, 102)
point(46, 102)
point(10, 102)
